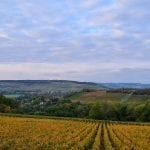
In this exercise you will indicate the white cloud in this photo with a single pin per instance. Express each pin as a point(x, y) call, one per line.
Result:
point(4, 35)
point(72, 71)
point(62, 33)
point(118, 33)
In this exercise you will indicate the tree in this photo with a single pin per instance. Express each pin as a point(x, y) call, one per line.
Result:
point(4, 108)
point(96, 112)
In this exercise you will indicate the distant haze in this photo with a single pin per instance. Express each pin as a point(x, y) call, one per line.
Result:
point(83, 40)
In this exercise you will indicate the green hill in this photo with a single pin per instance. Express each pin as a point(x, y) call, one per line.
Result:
point(44, 86)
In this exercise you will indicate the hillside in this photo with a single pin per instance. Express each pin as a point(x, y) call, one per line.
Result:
point(126, 85)
point(103, 96)
point(45, 86)
point(58, 86)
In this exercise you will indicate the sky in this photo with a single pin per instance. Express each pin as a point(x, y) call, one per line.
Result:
point(83, 40)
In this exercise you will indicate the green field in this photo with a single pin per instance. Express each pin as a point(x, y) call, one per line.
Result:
point(12, 95)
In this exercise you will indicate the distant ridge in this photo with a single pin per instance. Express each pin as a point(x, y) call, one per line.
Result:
point(62, 86)
point(126, 85)
point(45, 86)
point(41, 81)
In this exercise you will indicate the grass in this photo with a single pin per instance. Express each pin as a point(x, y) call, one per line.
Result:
point(12, 95)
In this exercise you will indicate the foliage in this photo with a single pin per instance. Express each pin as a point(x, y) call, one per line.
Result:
point(7, 104)
point(64, 107)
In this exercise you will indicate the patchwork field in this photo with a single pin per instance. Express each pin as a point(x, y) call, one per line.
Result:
point(103, 96)
point(40, 134)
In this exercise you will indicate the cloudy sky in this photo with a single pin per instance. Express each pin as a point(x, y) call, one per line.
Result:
point(85, 40)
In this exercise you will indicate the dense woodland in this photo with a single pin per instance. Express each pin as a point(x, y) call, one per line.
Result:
point(64, 107)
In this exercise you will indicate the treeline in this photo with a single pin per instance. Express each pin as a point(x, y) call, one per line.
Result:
point(103, 111)
point(116, 111)
point(120, 111)
point(8, 105)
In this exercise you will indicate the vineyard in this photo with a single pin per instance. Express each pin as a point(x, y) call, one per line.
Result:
point(40, 134)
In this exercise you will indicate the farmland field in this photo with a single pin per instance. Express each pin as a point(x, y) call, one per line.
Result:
point(12, 95)
point(102, 96)
point(35, 133)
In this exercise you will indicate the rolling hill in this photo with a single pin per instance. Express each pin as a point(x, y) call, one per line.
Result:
point(45, 86)
point(61, 86)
